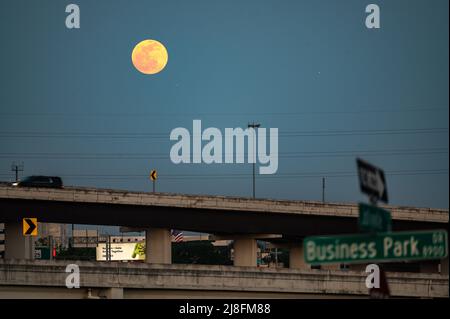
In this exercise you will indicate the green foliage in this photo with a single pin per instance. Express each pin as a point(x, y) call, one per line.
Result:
point(76, 254)
point(283, 257)
point(200, 252)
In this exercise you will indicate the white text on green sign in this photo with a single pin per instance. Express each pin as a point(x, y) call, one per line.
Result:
point(396, 246)
point(374, 219)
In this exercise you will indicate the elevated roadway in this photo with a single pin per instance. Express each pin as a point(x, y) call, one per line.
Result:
point(47, 279)
point(244, 220)
point(211, 214)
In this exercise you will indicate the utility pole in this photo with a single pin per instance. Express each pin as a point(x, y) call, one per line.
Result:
point(109, 248)
point(276, 257)
point(254, 126)
point(17, 168)
point(50, 246)
point(323, 189)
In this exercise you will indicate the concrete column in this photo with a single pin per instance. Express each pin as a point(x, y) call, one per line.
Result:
point(245, 252)
point(158, 246)
point(17, 246)
point(296, 258)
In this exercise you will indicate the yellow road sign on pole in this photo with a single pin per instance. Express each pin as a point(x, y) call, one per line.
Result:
point(30, 226)
point(153, 175)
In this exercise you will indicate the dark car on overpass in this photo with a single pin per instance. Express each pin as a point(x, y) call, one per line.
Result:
point(40, 181)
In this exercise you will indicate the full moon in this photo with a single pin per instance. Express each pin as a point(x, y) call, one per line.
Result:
point(149, 56)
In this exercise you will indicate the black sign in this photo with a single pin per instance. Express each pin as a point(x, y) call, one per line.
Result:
point(372, 181)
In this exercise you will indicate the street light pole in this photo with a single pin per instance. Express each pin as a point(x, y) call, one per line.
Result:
point(253, 126)
point(15, 167)
point(323, 189)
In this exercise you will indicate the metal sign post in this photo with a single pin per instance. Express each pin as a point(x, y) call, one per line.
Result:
point(376, 243)
point(371, 218)
point(154, 177)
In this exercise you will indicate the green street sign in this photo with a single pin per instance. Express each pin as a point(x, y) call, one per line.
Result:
point(381, 247)
point(374, 219)
point(42, 253)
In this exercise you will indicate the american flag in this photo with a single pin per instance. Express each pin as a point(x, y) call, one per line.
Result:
point(177, 236)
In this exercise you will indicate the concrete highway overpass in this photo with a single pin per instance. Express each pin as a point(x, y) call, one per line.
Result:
point(284, 223)
point(243, 219)
point(210, 214)
point(47, 279)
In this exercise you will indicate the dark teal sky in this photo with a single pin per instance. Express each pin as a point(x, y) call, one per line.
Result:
point(73, 105)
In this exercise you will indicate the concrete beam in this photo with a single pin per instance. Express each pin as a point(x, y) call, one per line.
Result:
point(245, 236)
point(114, 293)
point(18, 246)
point(47, 279)
point(330, 266)
point(124, 229)
point(245, 252)
point(158, 246)
point(209, 214)
point(255, 206)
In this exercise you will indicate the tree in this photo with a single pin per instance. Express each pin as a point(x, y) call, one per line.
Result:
point(200, 252)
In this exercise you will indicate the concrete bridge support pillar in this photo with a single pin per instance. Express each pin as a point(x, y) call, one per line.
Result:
point(245, 252)
point(17, 246)
point(158, 246)
point(296, 258)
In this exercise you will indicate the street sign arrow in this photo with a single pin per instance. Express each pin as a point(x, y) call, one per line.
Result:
point(372, 180)
point(30, 226)
point(153, 175)
point(380, 184)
